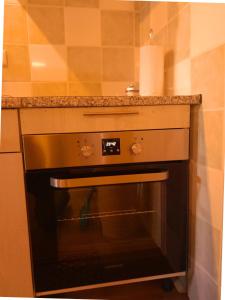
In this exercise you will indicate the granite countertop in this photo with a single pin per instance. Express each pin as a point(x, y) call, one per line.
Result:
point(97, 101)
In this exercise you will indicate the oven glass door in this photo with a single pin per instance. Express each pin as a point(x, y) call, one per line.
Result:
point(96, 227)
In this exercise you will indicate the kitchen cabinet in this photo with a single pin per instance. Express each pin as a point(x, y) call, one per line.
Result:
point(15, 265)
point(95, 119)
point(10, 139)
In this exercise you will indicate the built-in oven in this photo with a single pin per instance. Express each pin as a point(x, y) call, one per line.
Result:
point(106, 208)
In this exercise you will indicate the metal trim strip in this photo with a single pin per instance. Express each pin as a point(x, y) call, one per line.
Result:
point(108, 284)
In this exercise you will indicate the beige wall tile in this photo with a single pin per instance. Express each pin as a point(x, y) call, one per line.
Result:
point(82, 3)
point(178, 78)
point(201, 285)
point(137, 6)
point(48, 63)
point(207, 27)
point(114, 88)
point(194, 131)
point(145, 24)
point(161, 38)
point(17, 89)
point(46, 2)
point(117, 28)
point(117, 5)
point(49, 89)
point(178, 47)
point(85, 89)
point(46, 25)
point(136, 64)
point(174, 8)
point(15, 2)
point(207, 76)
point(15, 27)
point(84, 64)
point(18, 68)
point(158, 16)
point(207, 149)
point(206, 247)
point(118, 64)
point(168, 79)
point(137, 29)
point(206, 194)
point(82, 27)
point(140, 5)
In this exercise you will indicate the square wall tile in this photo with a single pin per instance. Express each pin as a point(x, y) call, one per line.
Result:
point(46, 25)
point(49, 89)
point(206, 194)
point(82, 3)
point(141, 5)
point(48, 63)
point(201, 285)
point(136, 64)
point(145, 24)
point(114, 88)
point(178, 78)
point(205, 247)
point(158, 15)
point(174, 9)
point(82, 27)
point(137, 29)
point(207, 138)
point(17, 89)
point(118, 64)
point(15, 26)
point(18, 68)
point(161, 38)
point(46, 2)
point(85, 89)
point(207, 76)
point(207, 27)
point(116, 5)
point(15, 2)
point(84, 64)
point(117, 28)
point(178, 47)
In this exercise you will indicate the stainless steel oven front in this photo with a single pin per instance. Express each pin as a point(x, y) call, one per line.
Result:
point(106, 208)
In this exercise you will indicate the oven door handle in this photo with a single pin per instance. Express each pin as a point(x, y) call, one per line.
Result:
point(108, 180)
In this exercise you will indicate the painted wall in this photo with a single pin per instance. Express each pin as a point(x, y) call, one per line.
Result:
point(193, 36)
point(69, 47)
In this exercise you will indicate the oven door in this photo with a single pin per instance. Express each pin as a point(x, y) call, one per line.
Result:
point(97, 225)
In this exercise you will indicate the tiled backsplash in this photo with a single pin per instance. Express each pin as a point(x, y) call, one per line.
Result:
point(70, 47)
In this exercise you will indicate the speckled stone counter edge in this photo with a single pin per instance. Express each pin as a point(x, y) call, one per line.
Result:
point(98, 101)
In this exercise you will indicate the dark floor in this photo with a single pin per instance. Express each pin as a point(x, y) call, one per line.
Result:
point(141, 291)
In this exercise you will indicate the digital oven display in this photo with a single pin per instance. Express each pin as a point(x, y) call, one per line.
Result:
point(110, 147)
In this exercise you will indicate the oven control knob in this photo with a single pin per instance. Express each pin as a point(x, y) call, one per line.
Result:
point(136, 148)
point(86, 150)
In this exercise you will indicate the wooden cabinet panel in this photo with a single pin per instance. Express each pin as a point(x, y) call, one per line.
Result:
point(94, 119)
point(15, 265)
point(9, 140)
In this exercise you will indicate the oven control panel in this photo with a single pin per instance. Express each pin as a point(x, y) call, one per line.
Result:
point(102, 148)
point(111, 146)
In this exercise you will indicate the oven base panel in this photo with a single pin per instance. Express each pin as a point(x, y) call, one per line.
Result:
point(108, 284)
